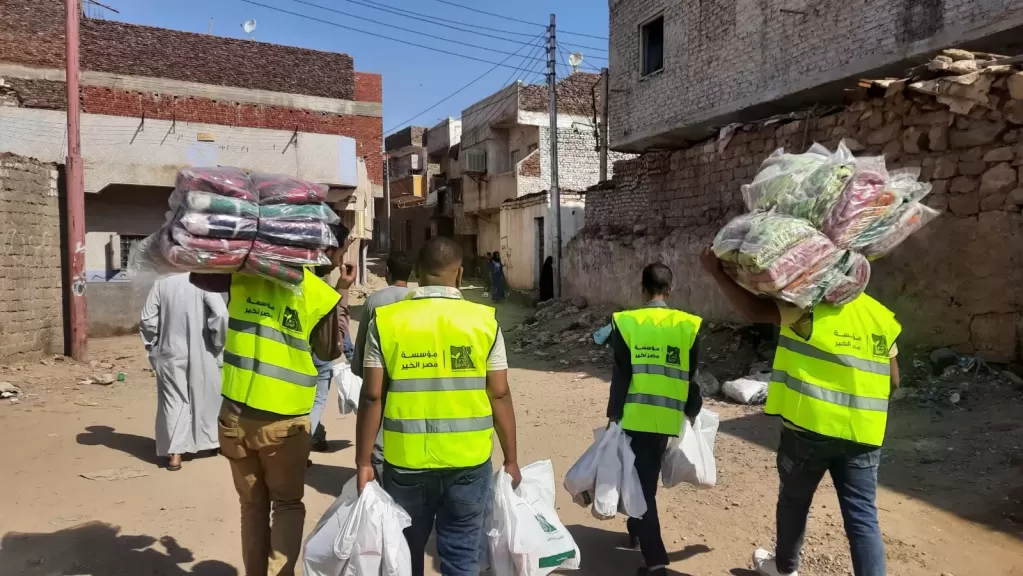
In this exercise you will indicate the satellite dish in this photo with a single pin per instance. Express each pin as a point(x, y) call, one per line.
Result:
point(575, 59)
point(249, 26)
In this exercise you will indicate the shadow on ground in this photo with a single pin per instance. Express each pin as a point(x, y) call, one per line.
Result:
point(964, 461)
point(604, 554)
point(101, 549)
point(139, 447)
point(328, 479)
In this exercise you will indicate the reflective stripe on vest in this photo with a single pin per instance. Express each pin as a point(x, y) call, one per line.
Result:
point(267, 359)
point(437, 414)
point(660, 340)
point(838, 382)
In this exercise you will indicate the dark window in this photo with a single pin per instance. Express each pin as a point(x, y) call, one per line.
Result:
point(652, 48)
point(127, 243)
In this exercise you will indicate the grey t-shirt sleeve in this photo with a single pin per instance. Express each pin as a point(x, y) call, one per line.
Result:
point(373, 357)
point(498, 359)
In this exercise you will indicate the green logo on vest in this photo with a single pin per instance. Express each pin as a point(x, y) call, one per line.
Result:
point(461, 358)
point(290, 320)
point(674, 356)
point(880, 345)
point(545, 525)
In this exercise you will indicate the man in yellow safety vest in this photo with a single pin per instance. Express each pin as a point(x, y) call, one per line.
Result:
point(655, 354)
point(834, 371)
point(441, 362)
point(269, 385)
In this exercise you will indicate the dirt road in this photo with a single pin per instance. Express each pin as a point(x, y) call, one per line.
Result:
point(949, 500)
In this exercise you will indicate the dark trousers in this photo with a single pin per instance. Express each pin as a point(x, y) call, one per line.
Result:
point(456, 500)
point(649, 449)
point(803, 458)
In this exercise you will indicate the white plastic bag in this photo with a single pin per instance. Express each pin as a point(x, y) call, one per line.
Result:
point(606, 475)
point(527, 537)
point(745, 391)
point(348, 388)
point(582, 476)
point(359, 536)
point(691, 458)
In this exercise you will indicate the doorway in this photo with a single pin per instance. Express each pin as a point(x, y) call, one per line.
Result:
point(539, 237)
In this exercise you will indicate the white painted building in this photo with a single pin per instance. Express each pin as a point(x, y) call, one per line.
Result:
point(505, 155)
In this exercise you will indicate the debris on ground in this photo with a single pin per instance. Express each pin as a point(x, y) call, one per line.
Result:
point(114, 474)
point(709, 385)
point(8, 390)
point(745, 391)
point(104, 379)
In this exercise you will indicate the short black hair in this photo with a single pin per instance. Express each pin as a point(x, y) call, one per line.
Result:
point(656, 279)
point(398, 267)
point(438, 255)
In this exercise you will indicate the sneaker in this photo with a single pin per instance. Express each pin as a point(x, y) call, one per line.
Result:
point(633, 543)
point(765, 564)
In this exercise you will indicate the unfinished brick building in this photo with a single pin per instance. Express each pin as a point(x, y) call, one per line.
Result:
point(154, 100)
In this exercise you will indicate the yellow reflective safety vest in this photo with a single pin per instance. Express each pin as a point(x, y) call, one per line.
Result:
point(268, 361)
point(838, 382)
point(659, 339)
point(437, 413)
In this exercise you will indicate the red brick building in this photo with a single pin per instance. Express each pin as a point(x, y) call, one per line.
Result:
point(154, 100)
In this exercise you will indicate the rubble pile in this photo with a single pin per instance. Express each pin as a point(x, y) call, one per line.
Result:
point(563, 329)
point(968, 83)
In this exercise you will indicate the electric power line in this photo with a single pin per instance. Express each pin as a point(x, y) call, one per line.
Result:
point(565, 56)
point(374, 34)
point(471, 82)
point(350, 15)
point(470, 8)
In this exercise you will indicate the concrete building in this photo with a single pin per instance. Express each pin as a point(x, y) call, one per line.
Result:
point(155, 100)
point(679, 70)
point(505, 155)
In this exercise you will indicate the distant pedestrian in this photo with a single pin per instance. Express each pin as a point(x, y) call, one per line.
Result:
point(547, 280)
point(496, 278)
point(484, 273)
point(184, 329)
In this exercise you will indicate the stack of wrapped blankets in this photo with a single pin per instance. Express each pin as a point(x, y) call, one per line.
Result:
point(226, 220)
point(815, 222)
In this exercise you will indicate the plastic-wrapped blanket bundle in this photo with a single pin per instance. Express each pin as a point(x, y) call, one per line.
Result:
point(225, 220)
point(816, 220)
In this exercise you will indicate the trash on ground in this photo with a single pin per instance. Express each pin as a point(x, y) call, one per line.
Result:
point(745, 391)
point(115, 474)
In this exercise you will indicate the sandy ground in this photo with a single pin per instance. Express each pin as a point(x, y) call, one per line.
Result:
point(950, 497)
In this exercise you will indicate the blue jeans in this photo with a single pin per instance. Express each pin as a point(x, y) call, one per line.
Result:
point(803, 458)
point(457, 500)
point(323, 377)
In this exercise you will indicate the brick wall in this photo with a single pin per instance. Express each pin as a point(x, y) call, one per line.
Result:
point(578, 159)
point(724, 57)
point(369, 87)
point(578, 94)
point(958, 282)
point(33, 34)
point(30, 263)
point(408, 136)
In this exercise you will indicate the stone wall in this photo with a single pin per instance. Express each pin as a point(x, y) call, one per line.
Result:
point(958, 282)
point(31, 298)
point(737, 60)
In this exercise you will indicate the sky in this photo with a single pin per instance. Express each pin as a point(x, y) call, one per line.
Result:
point(415, 78)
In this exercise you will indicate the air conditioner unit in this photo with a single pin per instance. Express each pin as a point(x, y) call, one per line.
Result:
point(475, 162)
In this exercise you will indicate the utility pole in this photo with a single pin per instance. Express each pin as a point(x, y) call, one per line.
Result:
point(603, 124)
point(552, 110)
point(386, 240)
point(75, 190)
